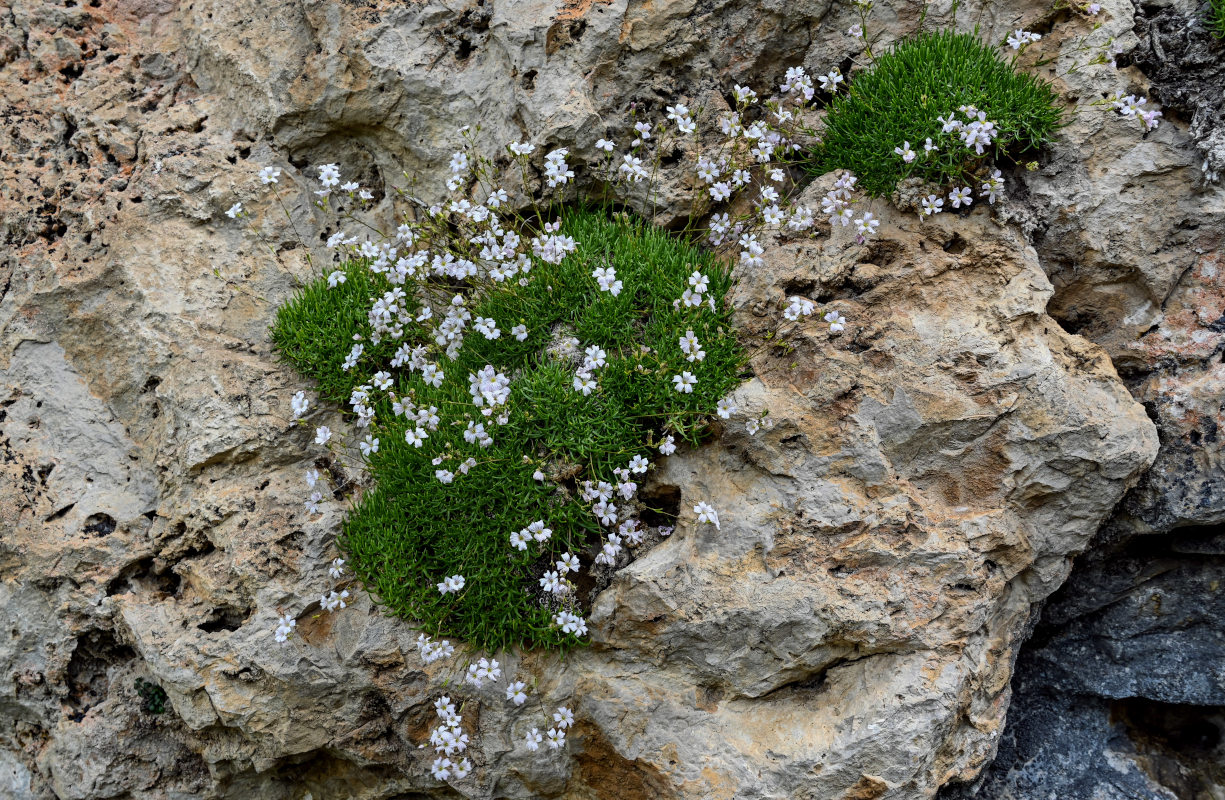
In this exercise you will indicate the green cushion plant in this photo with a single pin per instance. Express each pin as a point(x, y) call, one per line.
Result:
point(410, 530)
point(902, 97)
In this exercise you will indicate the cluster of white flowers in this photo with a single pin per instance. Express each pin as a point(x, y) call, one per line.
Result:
point(680, 115)
point(798, 307)
point(693, 296)
point(449, 739)
point(606, 277)
point(976, 132)
point(556, 172)
point(1133, 108)
point(553, 247)
point(594, 358)
point(485, 669)
point(452, 584)
point(1019, 39)
point(431, 651)
point(837, 205)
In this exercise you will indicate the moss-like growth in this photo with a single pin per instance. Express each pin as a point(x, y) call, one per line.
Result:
point(153, 697)
point(411, 530)
point(1215, 18)
point(900, 97)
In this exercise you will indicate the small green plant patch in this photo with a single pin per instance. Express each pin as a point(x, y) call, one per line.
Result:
point(153, 697)
point(1216, 18)
point(413, 529)
point(909, 94)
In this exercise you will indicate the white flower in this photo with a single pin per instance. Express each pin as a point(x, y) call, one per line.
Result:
point(706, 513)
point(538, 531)
point(829, 82)
point(584, 383)
point(932, 205)
point(744, 94)
point(521, 148)
point(451, 584)
point(462, 769)
point(322, 434)
point(684, 382)
point(567, 563)
point(299, 404)
point(269, 175)
point(596, 357)
point(726, 408)
point(519, 332)
point(329, 175)
point(515, 693)
point(312, 502)
point(284, 629)
point(519, 539)
point(1093, 9)
point(837, 322)
point(905, 152)
point(668, 445)
point(234, 210)
point(337, 568)
point(312, 477)
point(638, 465)
point(533, 739)
point(867, 224)
point(335, 278)
point(564, 717)
point(369, 446)
point(556, 738)
point(416, 436)
point(351, 360)
point(720, 191)
point(444, 475)
point(855, 30)
point(441, 769)
point(960, 197)
point(606, 512)
point(605, 144)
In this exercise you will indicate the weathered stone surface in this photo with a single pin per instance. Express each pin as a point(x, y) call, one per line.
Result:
point(1119, 693)
point(850, 630)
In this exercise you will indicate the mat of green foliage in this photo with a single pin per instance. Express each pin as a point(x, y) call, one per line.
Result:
point(901, 95)
point(410, 531)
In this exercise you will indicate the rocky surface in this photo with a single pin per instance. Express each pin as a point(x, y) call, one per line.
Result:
point(885, 547)
point(1120, 693)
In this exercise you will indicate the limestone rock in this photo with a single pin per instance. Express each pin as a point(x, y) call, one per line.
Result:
point(850, 630)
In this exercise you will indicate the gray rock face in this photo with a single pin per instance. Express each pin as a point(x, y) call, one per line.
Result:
point(1120, 691)
point(849, 632)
